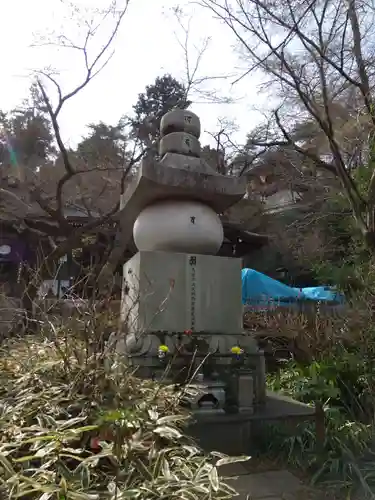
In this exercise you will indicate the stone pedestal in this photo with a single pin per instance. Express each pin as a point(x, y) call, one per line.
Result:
point(175, 292)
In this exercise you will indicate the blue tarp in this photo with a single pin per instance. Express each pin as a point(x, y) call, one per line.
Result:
point(257, 288)
point(322, 293)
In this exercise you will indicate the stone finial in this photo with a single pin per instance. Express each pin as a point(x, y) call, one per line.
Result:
point(180, 130)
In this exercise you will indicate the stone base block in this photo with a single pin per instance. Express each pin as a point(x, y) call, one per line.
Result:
point(175, 292)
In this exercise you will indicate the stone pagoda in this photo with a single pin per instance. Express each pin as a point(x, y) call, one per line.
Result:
point(181, 304)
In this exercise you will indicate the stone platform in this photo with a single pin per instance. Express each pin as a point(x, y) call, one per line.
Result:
point(232, 433)
point(270, 485)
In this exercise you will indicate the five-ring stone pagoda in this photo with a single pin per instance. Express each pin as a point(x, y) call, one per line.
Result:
point(181, 305)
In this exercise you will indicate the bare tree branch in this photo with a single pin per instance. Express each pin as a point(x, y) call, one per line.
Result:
point(310, 55)
point(58, 225)
point(92, 69)
point(194, 83)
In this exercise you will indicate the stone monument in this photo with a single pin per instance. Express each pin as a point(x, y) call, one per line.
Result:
point(181, 305)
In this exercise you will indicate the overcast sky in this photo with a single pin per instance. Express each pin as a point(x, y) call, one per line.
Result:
point(145, 48)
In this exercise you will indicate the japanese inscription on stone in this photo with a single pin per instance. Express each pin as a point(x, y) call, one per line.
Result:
point(193, 290)
point(187, 142)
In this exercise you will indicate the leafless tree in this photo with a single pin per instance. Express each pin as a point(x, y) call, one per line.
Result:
point(315, 56)
point(54, 225)
point(46, 80)
point(200, 88)
point(226, 156)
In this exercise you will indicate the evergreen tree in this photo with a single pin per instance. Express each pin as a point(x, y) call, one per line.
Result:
point(160, 97)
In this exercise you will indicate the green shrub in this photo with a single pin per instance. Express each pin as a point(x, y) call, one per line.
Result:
point(338, 382)
point(72, 430)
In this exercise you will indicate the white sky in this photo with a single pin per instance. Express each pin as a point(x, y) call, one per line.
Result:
point(145, 48)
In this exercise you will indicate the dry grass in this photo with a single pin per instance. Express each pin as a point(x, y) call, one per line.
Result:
point(312, 331)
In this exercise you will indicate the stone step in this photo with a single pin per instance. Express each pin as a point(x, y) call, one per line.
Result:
point(273, 485)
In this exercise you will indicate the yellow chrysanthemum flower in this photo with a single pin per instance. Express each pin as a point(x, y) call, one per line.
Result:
point(236, 350)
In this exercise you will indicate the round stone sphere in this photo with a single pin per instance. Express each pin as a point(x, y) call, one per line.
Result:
point(179, 226)
point(180, 120)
